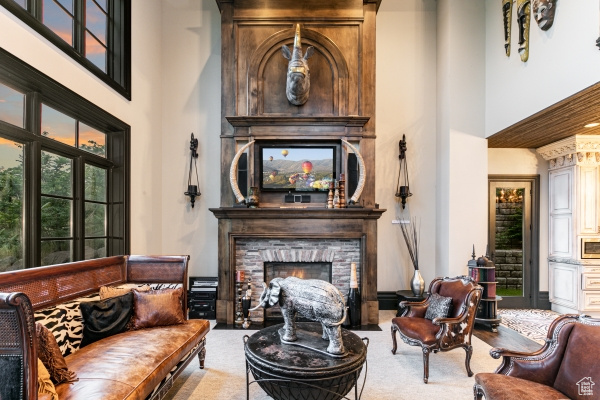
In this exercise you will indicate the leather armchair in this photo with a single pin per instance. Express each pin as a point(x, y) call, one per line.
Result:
point(566, 367)
point(440, 334)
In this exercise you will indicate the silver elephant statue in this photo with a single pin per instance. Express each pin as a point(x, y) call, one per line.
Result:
point(313, 299)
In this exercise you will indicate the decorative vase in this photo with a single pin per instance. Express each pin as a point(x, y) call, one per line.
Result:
point(417, 284)
point(252, 199)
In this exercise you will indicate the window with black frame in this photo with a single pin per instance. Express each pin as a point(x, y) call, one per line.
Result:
point(96, 33)
point(64, 174)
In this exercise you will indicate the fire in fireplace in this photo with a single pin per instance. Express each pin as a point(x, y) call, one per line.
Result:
point(302, 270)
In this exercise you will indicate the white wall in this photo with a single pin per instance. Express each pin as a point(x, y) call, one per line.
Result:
point(191, 93)
point(562, 61)
point(527, 162)
point(406, 84)
point(143, 113)
point(462, 149)
point(430, 86)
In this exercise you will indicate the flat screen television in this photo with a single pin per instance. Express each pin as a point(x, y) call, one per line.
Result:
point(304, 168)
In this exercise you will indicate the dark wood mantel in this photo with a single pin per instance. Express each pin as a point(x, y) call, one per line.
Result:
point(297, 223)
point(296, 213)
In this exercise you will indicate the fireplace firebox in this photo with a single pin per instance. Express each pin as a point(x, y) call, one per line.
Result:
point(302, 270)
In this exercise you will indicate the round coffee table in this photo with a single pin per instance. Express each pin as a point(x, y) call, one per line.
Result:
point(293, 372)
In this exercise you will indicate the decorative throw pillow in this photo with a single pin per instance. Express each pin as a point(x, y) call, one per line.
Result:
point(50, 355)
point(45, 385)
point(105, 318)
point(157, 308)
point(106, 292)
point(439, 306)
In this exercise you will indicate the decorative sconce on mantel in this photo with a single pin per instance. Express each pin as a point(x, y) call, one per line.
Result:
point(403, 189)
point(193, 191)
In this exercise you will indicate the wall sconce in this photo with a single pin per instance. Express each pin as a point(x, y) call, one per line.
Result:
point(193, 189)
point(403, 189)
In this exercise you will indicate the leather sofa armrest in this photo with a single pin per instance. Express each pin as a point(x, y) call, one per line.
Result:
point(17, 338)
point(542, 365)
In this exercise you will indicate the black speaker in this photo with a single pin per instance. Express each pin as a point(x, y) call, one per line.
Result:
point(297, 198)
point(352, 174)
point(242, 175)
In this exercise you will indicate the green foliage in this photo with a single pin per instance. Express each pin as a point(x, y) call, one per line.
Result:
point(55, 213)
point(94, 147)
point(56, 180)
point(11, 209)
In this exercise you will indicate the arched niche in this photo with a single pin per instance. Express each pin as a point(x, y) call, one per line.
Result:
point(328, 73)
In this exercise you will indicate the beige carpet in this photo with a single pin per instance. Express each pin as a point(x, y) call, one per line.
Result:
point(388, 377)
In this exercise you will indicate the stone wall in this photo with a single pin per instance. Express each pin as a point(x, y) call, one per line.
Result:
point(508, 215)
point(251, 254)
point(508, 256)
point(509, 269)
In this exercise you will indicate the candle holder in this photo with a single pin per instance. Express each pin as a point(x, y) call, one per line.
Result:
point(246, 304)
point(239, 315)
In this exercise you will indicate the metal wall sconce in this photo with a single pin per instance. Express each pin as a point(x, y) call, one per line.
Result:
point(403, 189)
point(193, 191)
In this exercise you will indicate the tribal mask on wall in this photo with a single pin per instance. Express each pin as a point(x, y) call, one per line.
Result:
point(523, 19)
point(543, 12)
point(507, 19)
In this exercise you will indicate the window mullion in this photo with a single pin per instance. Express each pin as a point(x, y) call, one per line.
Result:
point(33, 115)
point(32, 204)
point(79, 27)
point(35, 8)
point(78, 208)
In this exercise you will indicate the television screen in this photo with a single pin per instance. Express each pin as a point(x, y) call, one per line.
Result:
point(286, 168)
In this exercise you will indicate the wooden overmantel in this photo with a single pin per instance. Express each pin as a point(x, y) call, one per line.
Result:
point(254, 107)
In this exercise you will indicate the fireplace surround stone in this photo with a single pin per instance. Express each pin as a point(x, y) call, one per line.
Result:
point(252, 253)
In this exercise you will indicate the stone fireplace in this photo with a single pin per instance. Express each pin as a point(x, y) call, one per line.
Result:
point(328, 260)
point(340, 110)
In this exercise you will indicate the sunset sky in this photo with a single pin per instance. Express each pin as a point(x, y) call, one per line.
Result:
point(59, 126)
point(298, 154)
point(61, 22)
point(9, 153)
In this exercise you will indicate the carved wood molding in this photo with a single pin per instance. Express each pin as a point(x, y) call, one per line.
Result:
point(574, 150)
point(321, 43)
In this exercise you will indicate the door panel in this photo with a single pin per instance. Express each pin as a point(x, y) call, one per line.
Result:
point(510, 239)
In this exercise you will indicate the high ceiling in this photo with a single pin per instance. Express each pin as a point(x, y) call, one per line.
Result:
point(561, 120)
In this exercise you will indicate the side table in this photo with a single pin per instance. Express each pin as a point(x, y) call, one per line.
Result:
point(291, 372)
point(407, 295)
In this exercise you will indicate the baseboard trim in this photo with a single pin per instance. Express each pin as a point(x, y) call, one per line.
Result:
point(543, 301)
point(387, 300)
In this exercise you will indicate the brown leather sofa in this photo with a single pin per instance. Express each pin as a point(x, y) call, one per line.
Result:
point(566, 367)
point(138, 364)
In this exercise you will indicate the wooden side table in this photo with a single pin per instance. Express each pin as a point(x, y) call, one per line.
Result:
point(407, 295)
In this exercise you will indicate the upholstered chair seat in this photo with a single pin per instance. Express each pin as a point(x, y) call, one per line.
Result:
point(441, 322)
point(418, 328)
